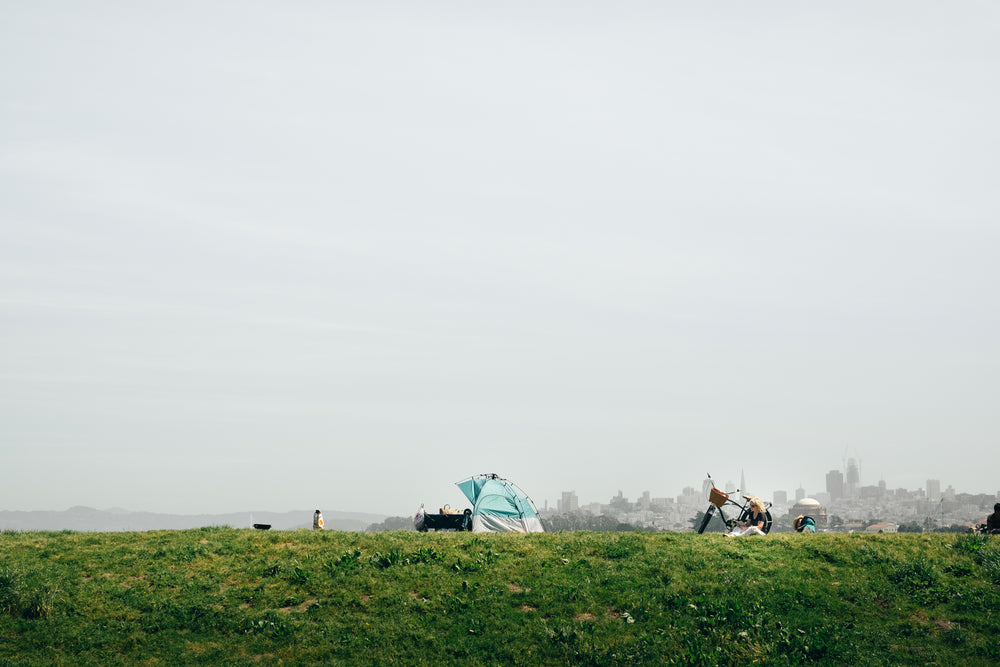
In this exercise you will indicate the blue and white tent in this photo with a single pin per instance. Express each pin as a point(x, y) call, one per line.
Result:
point(499, 506)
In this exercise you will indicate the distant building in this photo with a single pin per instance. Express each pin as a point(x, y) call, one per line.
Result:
point(853, 481)
point(644, 501)
point(620, 503)
point(780, 498)
point(934, 490)
point(692, 497)
point(800, 493)
point(871, 493)
point(568, 503)
point(835, 485)
point(883, 528)
point(661, 503)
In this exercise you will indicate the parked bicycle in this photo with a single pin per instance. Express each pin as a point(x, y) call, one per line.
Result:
point(731, 512)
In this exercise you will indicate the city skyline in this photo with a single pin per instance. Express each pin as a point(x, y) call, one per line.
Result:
point(931, 488)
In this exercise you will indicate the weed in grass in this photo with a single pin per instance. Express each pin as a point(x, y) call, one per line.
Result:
point(425, 555)
point(461, 566)
point(269, 625)
point(487, 557)
point(623, 547)
point(11, 587)
point(350, 560)
point(970, 543)
point(989, 560)
point(873, 554)
point(917, 579)
point(388, 559)
point(21, 598)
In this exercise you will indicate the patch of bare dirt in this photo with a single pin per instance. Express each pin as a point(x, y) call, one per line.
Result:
point(943, 624)
point(298, 608)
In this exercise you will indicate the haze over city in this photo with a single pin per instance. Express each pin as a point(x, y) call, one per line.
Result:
point(278, 256)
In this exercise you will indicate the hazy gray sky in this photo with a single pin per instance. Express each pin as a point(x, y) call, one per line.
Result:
point(283, 255)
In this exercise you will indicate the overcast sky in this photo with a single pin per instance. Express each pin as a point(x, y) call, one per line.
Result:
point(286, 255)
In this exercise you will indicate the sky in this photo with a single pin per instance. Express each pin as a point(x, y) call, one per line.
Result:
point(286, 255)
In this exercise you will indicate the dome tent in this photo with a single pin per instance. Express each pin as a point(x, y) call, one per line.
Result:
point(499, 506)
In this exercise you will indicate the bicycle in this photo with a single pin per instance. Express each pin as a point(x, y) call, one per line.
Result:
point(720, 499)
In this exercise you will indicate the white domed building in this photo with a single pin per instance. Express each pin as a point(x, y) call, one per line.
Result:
point(810, 507)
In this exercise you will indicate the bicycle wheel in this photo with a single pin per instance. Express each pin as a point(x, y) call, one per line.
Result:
point(767, 519)
point(704, 521)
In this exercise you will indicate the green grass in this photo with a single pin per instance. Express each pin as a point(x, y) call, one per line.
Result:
point(227, 596)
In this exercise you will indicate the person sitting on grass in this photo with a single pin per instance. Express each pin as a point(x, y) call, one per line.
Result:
point(804, 524)
point(755, 521)
point(993, 521)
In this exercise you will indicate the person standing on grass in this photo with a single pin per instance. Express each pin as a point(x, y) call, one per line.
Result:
point(317, 520)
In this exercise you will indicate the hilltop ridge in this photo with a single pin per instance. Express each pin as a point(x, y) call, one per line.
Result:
point(89, 519)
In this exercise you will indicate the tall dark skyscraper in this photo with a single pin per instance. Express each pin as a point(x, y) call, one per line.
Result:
point(835, 484)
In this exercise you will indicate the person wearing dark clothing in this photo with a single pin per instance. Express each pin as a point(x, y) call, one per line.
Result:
point(755, 521)
point(993, 521)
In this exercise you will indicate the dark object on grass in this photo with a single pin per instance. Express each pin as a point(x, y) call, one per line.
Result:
point(444, 521)
point(262, 526)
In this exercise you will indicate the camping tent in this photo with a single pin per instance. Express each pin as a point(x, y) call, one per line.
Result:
point(499, 506)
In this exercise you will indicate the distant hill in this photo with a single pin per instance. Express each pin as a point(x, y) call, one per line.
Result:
point(117, 520)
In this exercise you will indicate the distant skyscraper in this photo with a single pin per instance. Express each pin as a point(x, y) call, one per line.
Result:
point(644, 502)
point(853, 481)
point(835, 485)
point(800, 493)
point(780, 498)
point(569, 502)
point(934, 490)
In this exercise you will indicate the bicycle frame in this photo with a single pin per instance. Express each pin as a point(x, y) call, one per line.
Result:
point(720, 499)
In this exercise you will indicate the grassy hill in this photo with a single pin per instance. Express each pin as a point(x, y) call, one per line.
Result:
point(222, 595)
